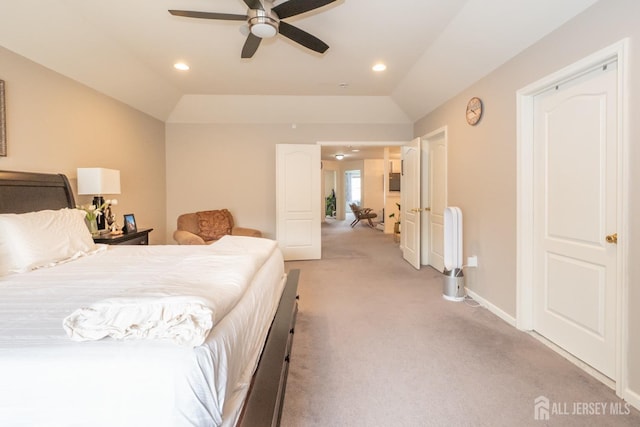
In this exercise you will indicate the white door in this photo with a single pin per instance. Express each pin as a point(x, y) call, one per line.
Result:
point(575, 209)
point(437, 199)
point(410, 203)
point(298, 208)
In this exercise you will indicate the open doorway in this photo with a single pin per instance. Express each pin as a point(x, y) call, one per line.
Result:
point(352, 188)
point(363, 177)
point(380, 163)
point(329, 191)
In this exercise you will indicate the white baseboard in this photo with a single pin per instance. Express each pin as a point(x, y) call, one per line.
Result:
point(571, 358)
point(628, 395)
point(492, 308)
point(512, 321)
point(632, 397)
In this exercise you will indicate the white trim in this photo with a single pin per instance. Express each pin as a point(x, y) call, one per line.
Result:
point(437, 132)
point(492, 308)
point(579, 363)
point(632, 397)
point(524, 258)
point(524, 211)
point(622, 371)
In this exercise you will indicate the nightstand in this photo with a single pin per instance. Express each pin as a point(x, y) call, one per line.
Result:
point(140, 237)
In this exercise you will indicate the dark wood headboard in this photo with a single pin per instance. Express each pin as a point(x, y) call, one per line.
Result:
point(22, 192)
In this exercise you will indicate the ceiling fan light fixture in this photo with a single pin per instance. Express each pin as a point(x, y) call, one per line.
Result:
point(264, 30)
point(339, 156)
point(263, 20)
point(263, 24)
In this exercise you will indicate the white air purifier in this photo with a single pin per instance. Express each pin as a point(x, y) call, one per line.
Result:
point(453, 277)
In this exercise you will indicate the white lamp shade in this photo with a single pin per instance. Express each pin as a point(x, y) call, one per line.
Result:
point(98, 181)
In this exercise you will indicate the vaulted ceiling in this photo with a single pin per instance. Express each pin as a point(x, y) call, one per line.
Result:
point(126, 49)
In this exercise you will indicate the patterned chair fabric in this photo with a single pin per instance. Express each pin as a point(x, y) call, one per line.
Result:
point(205, 227)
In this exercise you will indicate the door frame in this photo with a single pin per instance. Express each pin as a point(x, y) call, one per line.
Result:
point(342, 214)
point(334, 174)
point(525, 199)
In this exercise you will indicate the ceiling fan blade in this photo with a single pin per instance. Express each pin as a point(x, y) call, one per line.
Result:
point(296, 7)
point(254, 4)
point(302, 37)
point(250, 46)
point(209, 15)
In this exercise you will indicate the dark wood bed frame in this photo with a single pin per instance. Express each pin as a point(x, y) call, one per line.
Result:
point(22, 192)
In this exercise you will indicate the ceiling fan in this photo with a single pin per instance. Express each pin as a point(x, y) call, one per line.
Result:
point(265, 21)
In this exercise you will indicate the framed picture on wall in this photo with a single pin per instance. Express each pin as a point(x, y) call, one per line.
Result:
point(130, 224)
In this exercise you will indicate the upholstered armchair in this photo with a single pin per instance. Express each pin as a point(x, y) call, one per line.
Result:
point(205, 227)
point(362, 213)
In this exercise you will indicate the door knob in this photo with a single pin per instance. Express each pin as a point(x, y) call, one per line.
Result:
point(612, 238)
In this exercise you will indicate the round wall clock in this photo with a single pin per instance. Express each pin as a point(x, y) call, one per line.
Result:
point(474, 111)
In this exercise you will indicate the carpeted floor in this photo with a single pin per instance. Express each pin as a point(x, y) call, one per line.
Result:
point(377, 345)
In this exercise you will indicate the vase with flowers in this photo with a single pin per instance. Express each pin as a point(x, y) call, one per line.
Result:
point(91, 218)
point(92, 212)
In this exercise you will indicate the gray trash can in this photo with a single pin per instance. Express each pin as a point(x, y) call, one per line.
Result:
point(453, 285)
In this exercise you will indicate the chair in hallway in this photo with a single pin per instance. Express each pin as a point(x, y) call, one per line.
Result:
point(362, 213)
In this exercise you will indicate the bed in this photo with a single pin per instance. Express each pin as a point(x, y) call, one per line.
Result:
point(223, 362)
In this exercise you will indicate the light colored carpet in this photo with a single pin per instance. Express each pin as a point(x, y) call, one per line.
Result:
point(377, 345)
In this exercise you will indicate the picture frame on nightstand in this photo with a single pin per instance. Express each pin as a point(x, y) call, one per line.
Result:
point(129, 224)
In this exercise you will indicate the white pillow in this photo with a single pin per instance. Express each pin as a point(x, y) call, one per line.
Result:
point(5, 257)
point(38, 239)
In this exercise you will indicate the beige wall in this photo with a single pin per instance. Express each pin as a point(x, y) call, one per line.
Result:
point(56, 125)
point(482, 159)
point(233, 166)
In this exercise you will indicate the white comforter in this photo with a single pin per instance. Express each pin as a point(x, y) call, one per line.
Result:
point(50, 380)
point(182, 304)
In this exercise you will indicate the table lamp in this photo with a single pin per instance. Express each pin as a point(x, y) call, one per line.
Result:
point(99, 182)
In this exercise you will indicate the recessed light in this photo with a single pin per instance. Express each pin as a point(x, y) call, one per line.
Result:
point(379, 67)
point(355, 150)
point(181, 66)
